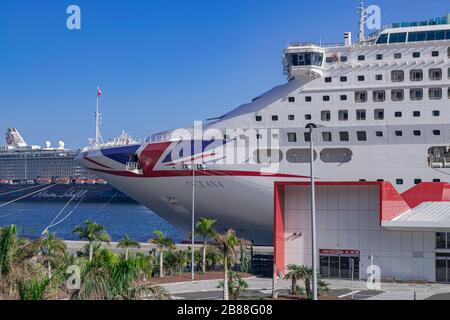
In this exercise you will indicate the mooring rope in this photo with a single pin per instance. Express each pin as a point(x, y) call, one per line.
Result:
point(59, 213)
point(26, 196)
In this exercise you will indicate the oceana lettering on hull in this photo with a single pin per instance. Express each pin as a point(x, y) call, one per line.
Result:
point(207, 184)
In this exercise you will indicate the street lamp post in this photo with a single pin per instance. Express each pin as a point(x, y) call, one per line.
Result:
point(311, 126)
point(193, 167)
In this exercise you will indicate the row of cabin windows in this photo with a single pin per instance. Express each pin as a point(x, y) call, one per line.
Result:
point(396, 95)
point(397, 55)
point(401, 181)
point(325, 115)
point(344, 136)
point(434, 74)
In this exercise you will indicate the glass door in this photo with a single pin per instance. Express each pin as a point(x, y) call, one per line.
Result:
point(442, 270)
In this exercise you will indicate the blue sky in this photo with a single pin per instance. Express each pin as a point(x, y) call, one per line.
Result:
point(161, 64)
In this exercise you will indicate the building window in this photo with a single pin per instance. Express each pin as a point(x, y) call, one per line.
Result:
point(379, 57)
point(417, 133)
point(436, 113)
point(379, 77)
point(326, 98)
point(343, 79)
point(308, 117)
point(398, 133)
point(328, 79)
point(416, 54)
point(435, 93)
point(436, 180)
point(435, 74)
point(329, 59)
point(361, 96)
point(291, 99)
point(399, 181)
point(379, 114)
point(416, 94)
point(397, 95)
point(344, 59)
point(344, 136)
point(379, 134)
point(361, 58)
point(361, 114)
point(436, 132)
point(361, 78)
point(442, 240)
point(258, 118)
point(379, 96)
point(343, 97)
point(325, 115)
point(398, 114)
point(259, 136)
point(361, 136)
point(308, 99)
point(291, 117)
point(397, 76)
point(343, 115)
point(274, 118)
point(416, 114)
point(326, 136)
point(435, 53)
point(292, 137)
point(416, 75)
point(397, 55)
point(417, 181)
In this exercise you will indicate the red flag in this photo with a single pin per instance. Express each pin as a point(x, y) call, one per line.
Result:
point(99, 92)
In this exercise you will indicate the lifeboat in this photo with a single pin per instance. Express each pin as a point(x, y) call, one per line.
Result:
point(79, 181)
point(44, 181)
point(101, 181)
point(4, 181)
point(91, 181)
point(62, 181)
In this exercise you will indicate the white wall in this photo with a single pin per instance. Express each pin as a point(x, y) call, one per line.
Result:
point(348, 218)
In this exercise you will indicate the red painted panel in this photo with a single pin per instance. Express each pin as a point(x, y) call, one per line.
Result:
point(392, 203)
point(151, 154)
point(279, 227)
point(426, 192)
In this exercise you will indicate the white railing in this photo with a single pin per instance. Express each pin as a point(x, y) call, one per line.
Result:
point(134, 167)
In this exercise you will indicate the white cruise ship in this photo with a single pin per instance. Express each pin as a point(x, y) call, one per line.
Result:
point(382, 110)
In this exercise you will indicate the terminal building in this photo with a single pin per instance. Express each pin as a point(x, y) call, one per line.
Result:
point(366, 223)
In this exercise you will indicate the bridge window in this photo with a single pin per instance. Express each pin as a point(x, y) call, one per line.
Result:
point(383, 38)
point(306, 59)
point(397, 37)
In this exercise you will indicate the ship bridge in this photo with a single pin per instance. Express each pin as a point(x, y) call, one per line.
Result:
point(304, 61)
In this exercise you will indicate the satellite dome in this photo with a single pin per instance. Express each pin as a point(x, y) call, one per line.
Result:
point(61, 144)
point(48, 144)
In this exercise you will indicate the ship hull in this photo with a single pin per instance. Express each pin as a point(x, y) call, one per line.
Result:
point(98, 193)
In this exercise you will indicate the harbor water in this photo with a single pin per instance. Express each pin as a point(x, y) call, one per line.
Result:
point(135, 220)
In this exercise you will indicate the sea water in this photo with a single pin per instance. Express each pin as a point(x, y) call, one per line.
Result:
point(135, 220)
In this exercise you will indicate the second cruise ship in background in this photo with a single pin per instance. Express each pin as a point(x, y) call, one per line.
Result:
point(382, 110)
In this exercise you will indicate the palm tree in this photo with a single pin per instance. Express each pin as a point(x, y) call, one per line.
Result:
point(226, 243)
point(8, 241)
point(128, 243)
point(52, 247)
point(162, 242)
point(92, 232)
point(295, 273)
point(205, 229)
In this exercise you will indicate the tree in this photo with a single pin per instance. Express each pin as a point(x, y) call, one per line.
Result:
point(8, 241)
point(92, 232)
point(236, 285)
point(128, 243)
point(296, 273)
point(204, 228)
point(162, 242)
point(226, 242)
point(51, 248)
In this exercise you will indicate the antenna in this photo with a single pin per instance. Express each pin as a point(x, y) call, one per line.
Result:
point(98, 135)
point(362, 21)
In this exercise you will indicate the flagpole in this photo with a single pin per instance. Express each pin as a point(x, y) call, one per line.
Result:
point(97, 135)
